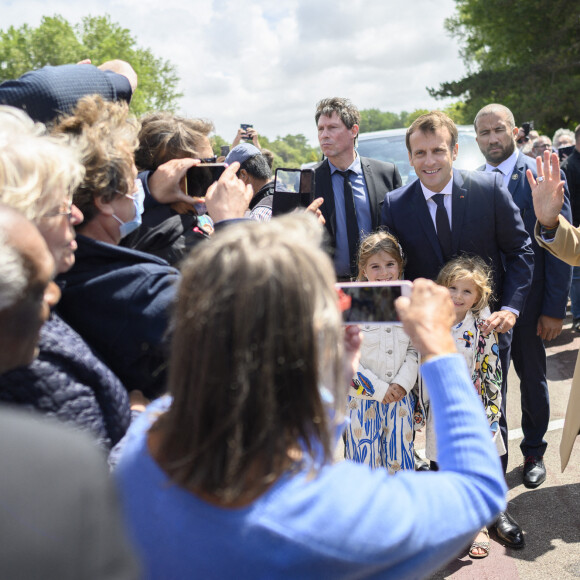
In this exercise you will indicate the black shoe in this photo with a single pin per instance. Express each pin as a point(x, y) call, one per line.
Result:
point(509, 531)
point(534, 471)
point(420, 465)
point(576, 325)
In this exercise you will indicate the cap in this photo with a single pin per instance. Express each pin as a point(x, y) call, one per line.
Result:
point(242, 152)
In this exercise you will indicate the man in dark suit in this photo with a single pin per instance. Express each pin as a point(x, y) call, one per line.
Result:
point(353, 187)
point(545, 308)
point(447, 212)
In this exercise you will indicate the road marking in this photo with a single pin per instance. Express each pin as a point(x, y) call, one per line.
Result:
point(552, 426)
point(515, 434)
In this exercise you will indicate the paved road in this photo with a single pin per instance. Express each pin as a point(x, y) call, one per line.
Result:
point(550, 514)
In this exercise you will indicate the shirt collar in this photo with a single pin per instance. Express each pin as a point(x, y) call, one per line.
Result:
point(355, 166)
point(447, 190)
point(506, 166)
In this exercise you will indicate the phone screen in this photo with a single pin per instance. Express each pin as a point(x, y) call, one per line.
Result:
point(293, 188)
point(200, 177)
point(371, 302)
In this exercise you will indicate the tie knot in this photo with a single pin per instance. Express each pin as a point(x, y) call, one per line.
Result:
point(438, 199)
point(345, 173)
point(496, 170)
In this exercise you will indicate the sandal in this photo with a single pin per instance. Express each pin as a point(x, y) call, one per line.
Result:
point(485, 546)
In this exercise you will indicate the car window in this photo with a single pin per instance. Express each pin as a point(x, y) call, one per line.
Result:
point(392, 148)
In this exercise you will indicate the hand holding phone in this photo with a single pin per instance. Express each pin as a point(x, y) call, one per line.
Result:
point(245, 135)
point(293, 189)
point(200, 177)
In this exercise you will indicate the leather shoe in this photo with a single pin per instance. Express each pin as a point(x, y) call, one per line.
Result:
point(509, 531)
point(534, 471)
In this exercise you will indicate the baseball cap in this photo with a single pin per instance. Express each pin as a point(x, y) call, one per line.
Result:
point(242, 152)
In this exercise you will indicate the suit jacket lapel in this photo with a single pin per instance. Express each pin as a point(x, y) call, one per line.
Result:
point(324, 185)
point(458, 204)
point(372, 191)
point(518, 175)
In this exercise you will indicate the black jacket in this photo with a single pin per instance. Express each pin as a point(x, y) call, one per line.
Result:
point(69, 382)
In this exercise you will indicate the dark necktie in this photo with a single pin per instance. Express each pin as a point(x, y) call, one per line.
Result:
point(442, 224)
point(351, 222)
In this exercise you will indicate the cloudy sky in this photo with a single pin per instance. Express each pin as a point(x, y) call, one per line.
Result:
point(267, 62)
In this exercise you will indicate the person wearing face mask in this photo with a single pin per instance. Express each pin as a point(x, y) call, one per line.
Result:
point(117, 298)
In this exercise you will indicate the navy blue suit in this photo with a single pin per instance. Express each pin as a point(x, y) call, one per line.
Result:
point(548, 296)
point(485, 222)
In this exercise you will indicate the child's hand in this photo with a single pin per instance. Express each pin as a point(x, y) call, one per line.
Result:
point(394, 394)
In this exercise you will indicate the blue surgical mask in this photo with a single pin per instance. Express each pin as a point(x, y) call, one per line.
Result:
point(138, 198)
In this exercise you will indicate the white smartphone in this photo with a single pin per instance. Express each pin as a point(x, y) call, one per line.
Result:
point(371, 302)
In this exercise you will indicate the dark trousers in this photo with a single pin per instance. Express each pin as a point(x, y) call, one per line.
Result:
point(529, 358)
point(526, 349)
point(504, 343)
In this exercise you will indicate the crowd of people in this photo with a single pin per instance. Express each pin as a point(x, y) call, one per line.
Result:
point(197, 342)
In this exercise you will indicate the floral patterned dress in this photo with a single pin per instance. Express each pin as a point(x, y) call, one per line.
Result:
point(381, 435)
point(481, 353)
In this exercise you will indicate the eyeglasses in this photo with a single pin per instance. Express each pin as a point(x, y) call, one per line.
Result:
point(67, 212)
point(545, 146)
point(136, 187)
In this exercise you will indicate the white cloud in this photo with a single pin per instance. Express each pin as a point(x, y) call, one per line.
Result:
point(268, 63)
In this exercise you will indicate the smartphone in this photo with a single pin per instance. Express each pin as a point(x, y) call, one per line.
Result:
point(371, 302)
point(200, 177)
point(563, 152)
point(293, 189)
point(224, 150)
point(244, 127)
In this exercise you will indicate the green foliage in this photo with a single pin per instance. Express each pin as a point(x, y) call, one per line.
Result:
point(524, 54)
point(376, 120)
point(289, 151)
point(56, 42)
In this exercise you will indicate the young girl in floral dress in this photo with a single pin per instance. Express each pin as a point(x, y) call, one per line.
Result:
point(468, 279)
point(380, 402)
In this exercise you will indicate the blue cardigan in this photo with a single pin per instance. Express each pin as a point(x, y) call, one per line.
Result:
point(345, 522)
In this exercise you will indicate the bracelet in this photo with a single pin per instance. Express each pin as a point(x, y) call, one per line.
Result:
point(548, 233)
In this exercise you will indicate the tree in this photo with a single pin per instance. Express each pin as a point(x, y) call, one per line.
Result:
point(376, 120)
point(524, 54)
point(290, 151)
point(56, 42)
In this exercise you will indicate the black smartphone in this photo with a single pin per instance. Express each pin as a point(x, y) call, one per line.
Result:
point(371, 302)
point(563, 152)
point(224, 150)
point(293, 189)
point(200, 177)
point(244, 127)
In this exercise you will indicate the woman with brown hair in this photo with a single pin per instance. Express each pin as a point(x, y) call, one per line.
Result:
point(232, 477)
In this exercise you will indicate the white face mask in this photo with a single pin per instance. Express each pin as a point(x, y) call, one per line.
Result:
point(138, 199)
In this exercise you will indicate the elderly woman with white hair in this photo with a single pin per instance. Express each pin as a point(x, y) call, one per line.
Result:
point(67, 380)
